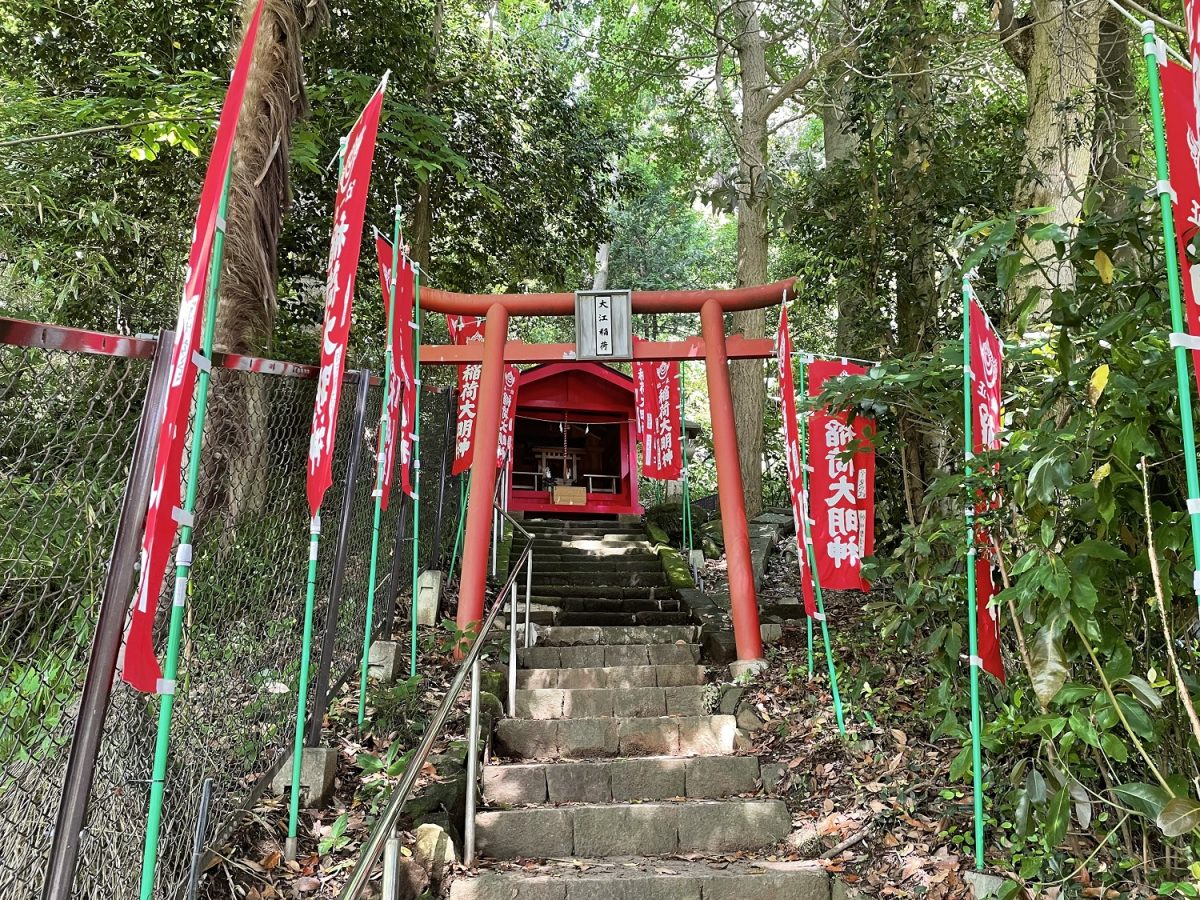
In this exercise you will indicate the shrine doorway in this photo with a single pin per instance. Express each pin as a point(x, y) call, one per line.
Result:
point(574, 448)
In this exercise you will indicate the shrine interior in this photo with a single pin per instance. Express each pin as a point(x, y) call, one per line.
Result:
point(589, 457)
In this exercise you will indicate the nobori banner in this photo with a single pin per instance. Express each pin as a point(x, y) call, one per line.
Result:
point(465, 330)
point(401, 385)
point(344, 247)
point(656, 395)
point(841, 485)
point(139, 664)
point(795, 464)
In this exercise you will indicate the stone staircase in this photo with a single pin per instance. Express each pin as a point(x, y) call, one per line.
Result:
point(615, 755)
point(598, 573)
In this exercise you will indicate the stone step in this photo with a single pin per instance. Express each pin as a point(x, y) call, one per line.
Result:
point(651, 617)
point(617, 878)
point(568, 635)
point(585, 589)
point(620, 780)
point(609, 604)
point(623, 703)
point(647, 829)
point(603, 737)
point(597, 655)
point(539, 614)
point(591, 535)
point(598, 612)
point(579, 524)
point(591, 550)
point(596, 579)
point(610, 677)
point(612, 565)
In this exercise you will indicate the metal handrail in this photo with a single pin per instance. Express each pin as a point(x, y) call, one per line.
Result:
point(376, 842)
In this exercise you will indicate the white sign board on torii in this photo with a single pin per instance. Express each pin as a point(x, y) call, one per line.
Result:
point(603, 325)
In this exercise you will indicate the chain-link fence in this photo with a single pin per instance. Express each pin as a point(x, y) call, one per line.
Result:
point(68, 419)
point(67, 422)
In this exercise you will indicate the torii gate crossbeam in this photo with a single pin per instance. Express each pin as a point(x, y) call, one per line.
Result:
point(712, 346)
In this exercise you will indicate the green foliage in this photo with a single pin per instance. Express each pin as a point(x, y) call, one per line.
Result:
point(1092, 438)
point(519, 166)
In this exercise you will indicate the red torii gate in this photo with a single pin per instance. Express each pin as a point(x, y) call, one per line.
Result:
point(712, 346)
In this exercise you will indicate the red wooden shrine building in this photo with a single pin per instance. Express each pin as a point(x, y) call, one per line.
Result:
point(574, 429)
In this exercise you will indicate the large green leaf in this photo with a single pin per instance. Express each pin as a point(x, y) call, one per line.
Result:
point(1179, 816)
point(1144, 691)
point(1058, 817)
point(1148, 799)
point(1049, 664)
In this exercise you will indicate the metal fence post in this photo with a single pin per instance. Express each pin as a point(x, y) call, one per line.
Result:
point(435, 553)
point(329, 639)
point(110, 626)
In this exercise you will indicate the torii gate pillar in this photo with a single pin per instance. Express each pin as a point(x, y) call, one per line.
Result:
point(743, 601)
point(477, 536)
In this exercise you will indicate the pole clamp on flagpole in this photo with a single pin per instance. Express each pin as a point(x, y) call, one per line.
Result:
point(165, 687)
point(378, 492)
point(314, 526)
point(183, 556)
point(977, 662)
point(1163, 186)
point(1196, 581)
point(1184, 340)
point(183, 517)
point(201, 362)
point(819, 616)
point(1193, 506)
point(1160, 51)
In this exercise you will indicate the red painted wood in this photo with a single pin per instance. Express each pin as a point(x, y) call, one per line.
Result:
point(753, 297)
point(737, 347)
point(477, 538)
point(742, 599)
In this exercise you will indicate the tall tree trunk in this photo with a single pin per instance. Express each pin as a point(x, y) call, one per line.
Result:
point(422, 225)
point(236, 448)
point(914, 240)
point(841, 144)
point(746, 376)
point(600, 279)
point(1118, 126)
point(1057, 47)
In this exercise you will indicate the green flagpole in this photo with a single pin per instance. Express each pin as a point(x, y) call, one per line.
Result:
point(310, 602)
point(812, 564)
point(416, 466)
point(972, 629)
point(388, 362)
point(183, 565)
point(1183, 382)
point(463, 489)
point(810, 638)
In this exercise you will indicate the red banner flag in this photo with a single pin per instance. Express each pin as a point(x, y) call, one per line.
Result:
point(795, 470)
point(139, 665)
point(656, 396)
point(465, 330)
point(987, 358)
point(348, 211)
point(401, 395)
point(1183, 151)
point(508, 417)
point(841, 487)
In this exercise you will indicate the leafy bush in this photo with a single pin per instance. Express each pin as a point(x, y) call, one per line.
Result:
point(1094, 732)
